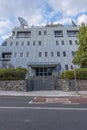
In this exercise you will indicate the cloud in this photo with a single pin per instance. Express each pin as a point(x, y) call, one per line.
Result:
point(82, 18)
point(69, 7)
point(4, 25)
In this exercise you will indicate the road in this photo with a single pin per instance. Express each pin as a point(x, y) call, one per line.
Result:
point(19, 113)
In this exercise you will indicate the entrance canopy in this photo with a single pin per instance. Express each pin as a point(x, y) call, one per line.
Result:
point(43, 64)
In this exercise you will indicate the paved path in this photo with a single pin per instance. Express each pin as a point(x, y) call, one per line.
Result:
point(44, 93)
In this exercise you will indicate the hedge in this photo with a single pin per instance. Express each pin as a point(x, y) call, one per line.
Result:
point(13, 74)
point(81, 73)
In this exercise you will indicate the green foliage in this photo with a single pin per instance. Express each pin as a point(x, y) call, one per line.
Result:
point(81, 54)
point(81, 73)
point(12, 74)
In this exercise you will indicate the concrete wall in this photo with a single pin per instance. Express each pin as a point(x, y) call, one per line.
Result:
point(14, 85)
point(69, 85)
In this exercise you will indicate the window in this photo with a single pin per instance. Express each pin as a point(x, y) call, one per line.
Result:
point(34, 43)
point(64, 53)
point(70, 42)
point(66, 66)
point(22, 43)
point(62, 42)
point(46, 54)
point(27, 54)
point(15, 54)
point(39, 43)
point(56, 42)
point(73, 53)
point(16, 43)
point(21, 54)
point(39, 32)
point(43, 71)
point(52, 54)
point(4, 43)
point(58, 33)
point(58, 53)
point(11, 43)
point(24, 34)
point(72, 33)
point(28, 43)
point(39, 54)
point(45, 33)
point(76, 42)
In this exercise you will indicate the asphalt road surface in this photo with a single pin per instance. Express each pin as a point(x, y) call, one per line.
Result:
point(17, 113)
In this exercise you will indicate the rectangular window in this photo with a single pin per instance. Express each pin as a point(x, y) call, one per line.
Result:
point(72, 33)
point(22, 43)
point(21, 54)
point(66, 66)
point(39, 43)
point(34, 43)
point(62, 42)
point(52, 54)
point(73, 53)
point(15, 54)
point(58, 53)
point(57, 43)
point(16, 43)
point(27, 54)
point(58, 33)
point(45, 33)
point(76, 42)
point(70, 42)
point(28, 43)
point(11, 43)
point(24, 34)
point(64, 53)
point(39, 54)
point(39, 32)
point(46, 54)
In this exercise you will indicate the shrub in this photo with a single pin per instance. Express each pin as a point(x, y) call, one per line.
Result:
point(12, 74)
point(81, 73)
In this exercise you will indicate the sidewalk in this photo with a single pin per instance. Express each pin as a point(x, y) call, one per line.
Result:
point(53, 93)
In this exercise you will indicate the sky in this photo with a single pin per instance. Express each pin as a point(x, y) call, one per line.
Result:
point(40, 12)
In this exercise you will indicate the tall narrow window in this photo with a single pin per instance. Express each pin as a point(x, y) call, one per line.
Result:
point(16, 43)
point(56, 42)
point(39, 54)
point(58, 53)
point(39, 32)
point(21, 54)
point(39, 43)
point(70, 42)
point(52, 54)
point(22, 43)
point(45, 33)
point(46, 54)
point(66, 66)
point(34, 43)
point(27, 54)
point(64, 53)
point(62, 42)
point(28, 43)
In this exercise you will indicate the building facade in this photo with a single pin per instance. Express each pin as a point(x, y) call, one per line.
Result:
point(44, 50)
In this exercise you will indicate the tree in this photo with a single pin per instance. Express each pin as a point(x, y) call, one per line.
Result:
point(80, 57)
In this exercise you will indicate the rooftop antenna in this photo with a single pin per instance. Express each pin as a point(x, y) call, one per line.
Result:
point(23, 22)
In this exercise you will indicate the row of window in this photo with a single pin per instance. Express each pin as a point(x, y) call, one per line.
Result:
point(57, 33)
point(45, 54)
point(40, 43)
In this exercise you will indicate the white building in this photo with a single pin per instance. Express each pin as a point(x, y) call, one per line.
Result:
point(44, 50)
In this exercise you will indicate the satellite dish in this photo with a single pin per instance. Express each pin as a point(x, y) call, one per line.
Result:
point(74, 24)
point(22, 21)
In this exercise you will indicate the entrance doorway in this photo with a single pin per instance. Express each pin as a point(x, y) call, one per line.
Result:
point(43, 71)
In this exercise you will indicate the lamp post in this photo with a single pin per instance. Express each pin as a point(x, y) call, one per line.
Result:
point(75, 78)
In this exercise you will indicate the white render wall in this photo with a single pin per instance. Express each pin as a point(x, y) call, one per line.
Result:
point(48, 44)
